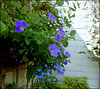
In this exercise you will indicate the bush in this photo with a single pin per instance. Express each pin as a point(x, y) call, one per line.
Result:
point(69, 83)
point(29, 35)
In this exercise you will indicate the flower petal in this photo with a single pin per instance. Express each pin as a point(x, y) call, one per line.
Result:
point(18, 24)
point(23, 24)
point(55, 54)
point(68, 54)
point(17, 29)
point(62, 32)
point(51, 17)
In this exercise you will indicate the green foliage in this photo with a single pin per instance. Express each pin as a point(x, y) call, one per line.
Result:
point(73, 32)
point(25, 59)
point(76, 82)
point(9, 86)
point(68, 83)
point(59, 3)
point(38, 36)
point(30, 71)
point(4, 29)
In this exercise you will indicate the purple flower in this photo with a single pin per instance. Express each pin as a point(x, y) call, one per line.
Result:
point(54, 79)
point(57, 38)
point(65, 63)
point(40, 87)
point(40, 23)
point(54, 49)
point(68, 54)
point(62, 32)
point(51, 17)
point(62, 47)
point(61, 72)
point(49, 79)
point(26, 53)
point(11, 49)
point(20, 26)
point(21, 61)
point(49, 70)
point(16, 59)
point(31, 48)
point(38, 69)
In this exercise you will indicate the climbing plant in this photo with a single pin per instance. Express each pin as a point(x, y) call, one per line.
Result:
point(29, 35)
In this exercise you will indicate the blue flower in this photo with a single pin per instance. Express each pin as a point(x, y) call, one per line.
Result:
point(49, 79)
point(38, 69)
point(40, 76)
point(49, 70)
point(40, 87)
point(68, 54)
point(54, 49)
point(60, 53)
point(20, 26)
point(45, 65)
point(61, 72)
point(56, 66)
point(65, 63)
point(43, 73)
point(44, 80)
point(51, 61)
point(34, 73)
point(60, 68)
point(51, 64)
point(57, 38)
point(51, 17)
point(54, 79)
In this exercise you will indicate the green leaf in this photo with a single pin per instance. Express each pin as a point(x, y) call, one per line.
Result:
point(65, 43)
point(4, 29)
point(12, 31)
point(72, 9)
point(72, 16)
point(78, 5)
point(67, 22)
point(67, 2)
point(21, 51)
point(30, 71)
point(48, 61)
point(60, 3)
point(28, 41)
point(73, 32)
point(74, 5)
point(25, 59)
